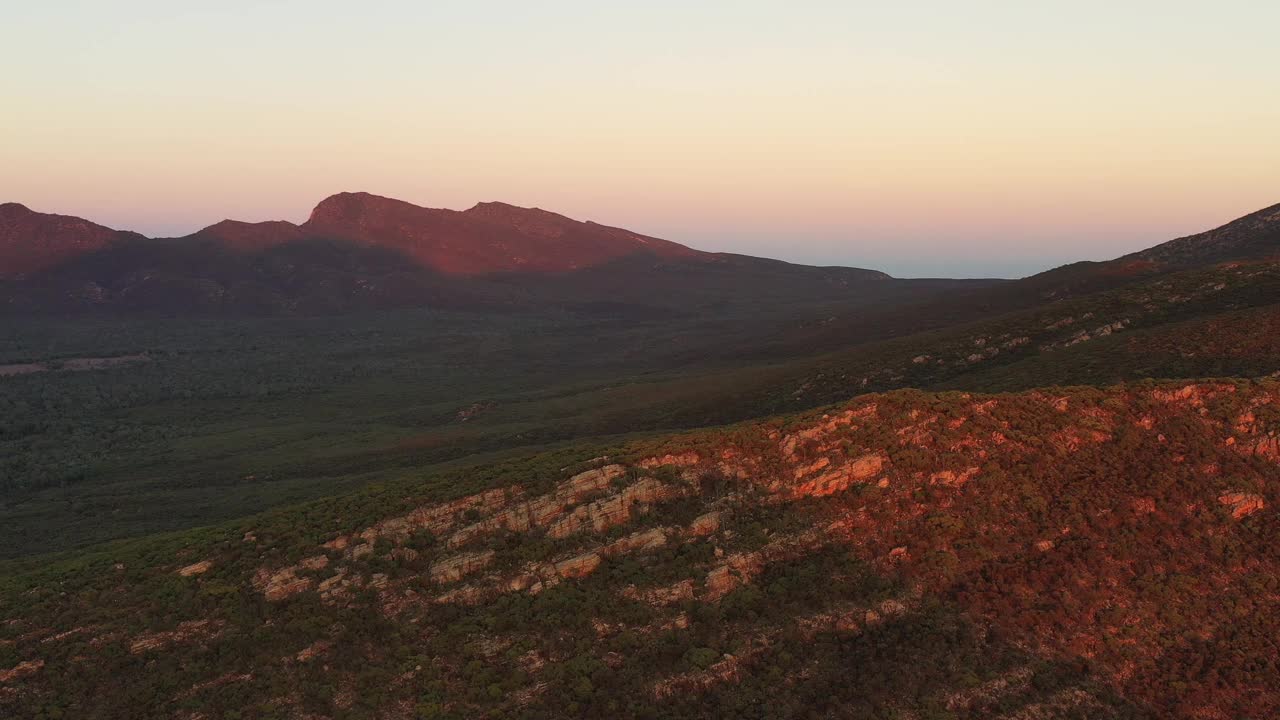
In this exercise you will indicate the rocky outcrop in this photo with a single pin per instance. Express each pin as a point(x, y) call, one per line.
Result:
point(579, 565)
point(1242, 504)
point(21, 670)
point(315, 562)
point(951, 478)
point(706, 524)
point(539, 576)
point(542, 511)
point(661, 596)
point(281, 584)
point(736, 570)
point(840, 478)
point(680, 460)
point(435, 519)
point(457, 567)
point(199, 568)
point(616, 509)
point(189, 631)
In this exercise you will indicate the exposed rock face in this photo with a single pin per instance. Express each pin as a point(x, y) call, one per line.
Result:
point(736, 570)
point(952, 478)
point(21, 670)
point(539, 576)
point(435, 519)
point(839, 479)
point(707, 524)
point(669, 595)
point(313, 651)
point(613, 510)
point(1242, 504)
point(280, 585)
point(544, 511)
point(315, 562)
point(1267, 447)
point(455, 568)
point(189, 631)
point(199, 568)
point(578, 566)
point(684, 459)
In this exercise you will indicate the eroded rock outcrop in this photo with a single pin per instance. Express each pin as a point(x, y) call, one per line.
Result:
point(199, 568)
point(281, 584)
point(1242, 504)
point(837, 479)
point(457, 567)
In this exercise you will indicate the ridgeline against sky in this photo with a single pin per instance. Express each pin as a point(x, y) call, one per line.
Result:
point(993, 139)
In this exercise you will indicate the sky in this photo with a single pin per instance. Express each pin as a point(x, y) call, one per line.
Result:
point(924, 138)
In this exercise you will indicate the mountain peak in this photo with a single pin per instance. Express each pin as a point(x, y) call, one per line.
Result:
point(347, 205)
point(501, 210)
point(242, 235)
point(490, 237)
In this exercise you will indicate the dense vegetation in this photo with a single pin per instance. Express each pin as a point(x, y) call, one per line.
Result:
point(295, 408)
point(448, 513)
point(904, 591)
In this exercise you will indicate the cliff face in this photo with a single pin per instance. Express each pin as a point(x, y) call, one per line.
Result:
point(1105, 552)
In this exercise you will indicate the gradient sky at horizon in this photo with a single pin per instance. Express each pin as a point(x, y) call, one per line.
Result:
point(924, 138)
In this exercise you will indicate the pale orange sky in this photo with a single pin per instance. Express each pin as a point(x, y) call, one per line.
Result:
point(995, 139)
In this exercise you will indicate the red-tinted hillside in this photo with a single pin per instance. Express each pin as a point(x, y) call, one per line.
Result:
point(31, 241)
point(488, 238)
point(251, 236)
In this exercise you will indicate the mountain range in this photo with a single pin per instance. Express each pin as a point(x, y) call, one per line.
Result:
point(362, 251)
point(359, 250)
point(398, 462)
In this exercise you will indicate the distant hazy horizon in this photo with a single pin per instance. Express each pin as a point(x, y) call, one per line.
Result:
point(995, 140)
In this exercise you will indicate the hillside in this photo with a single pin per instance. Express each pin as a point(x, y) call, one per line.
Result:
point(476, 508)
point(1062, 553)
point(32, 241)
point(1250, 239)
point(294, 409)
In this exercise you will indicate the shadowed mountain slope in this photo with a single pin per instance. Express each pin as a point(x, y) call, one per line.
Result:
point(32, 241)
point(361, 251)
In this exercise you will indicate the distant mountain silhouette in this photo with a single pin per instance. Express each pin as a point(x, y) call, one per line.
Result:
point(361, 251)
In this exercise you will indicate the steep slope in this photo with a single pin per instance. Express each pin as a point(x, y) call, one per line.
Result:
point(1084, 552)
point(32, 241)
